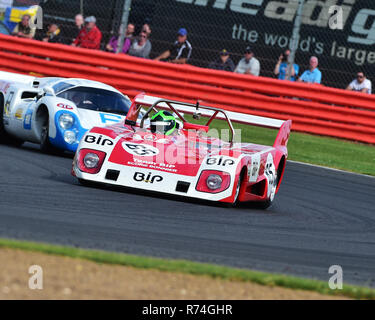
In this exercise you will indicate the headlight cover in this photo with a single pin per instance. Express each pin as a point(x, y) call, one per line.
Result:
point(70, 137)
point(66, 121)
point(214, 182)
point(91, 160)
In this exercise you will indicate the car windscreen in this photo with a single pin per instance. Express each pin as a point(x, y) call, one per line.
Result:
point(97, 100)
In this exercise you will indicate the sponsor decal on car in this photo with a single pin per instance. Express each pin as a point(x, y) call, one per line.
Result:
point(64, 106)
point(220, 161)
point(7, 105)
point(110, 118)
point(99, 140)
point(140, 150)
point(28, 118)
point(253, 168)
point(153, 165)
point(149, 178)
point(270, 173)
point(18, 114)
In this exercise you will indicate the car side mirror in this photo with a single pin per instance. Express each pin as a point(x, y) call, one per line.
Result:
point(48, 91)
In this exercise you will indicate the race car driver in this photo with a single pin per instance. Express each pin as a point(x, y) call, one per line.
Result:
point(165, 123)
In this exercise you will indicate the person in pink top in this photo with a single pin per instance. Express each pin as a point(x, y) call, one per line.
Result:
point(113, 42)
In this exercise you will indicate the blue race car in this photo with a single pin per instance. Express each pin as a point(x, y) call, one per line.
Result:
point(56, 112)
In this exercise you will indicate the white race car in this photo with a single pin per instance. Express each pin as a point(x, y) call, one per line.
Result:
point(56, 112)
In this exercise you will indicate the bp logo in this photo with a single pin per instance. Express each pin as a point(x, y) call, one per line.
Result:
point(140, 150)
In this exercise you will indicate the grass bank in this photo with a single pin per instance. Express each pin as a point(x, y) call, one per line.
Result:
point(182, 266)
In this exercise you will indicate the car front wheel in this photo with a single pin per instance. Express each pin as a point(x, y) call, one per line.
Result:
point(45, 144)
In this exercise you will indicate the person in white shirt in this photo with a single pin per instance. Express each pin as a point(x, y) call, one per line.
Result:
point(249, 64)
point(360, 84)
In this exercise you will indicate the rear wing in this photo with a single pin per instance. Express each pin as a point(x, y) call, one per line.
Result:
point(283, 126)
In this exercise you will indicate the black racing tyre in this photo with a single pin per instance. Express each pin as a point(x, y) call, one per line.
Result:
point(238, 189)
point(2, 129)
point(266, 204)
point(45, 144)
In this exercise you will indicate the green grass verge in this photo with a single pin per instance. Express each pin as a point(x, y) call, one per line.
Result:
point(194, 268)
point(324, 151)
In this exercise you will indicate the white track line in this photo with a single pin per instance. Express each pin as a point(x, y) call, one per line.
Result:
point(332, 169)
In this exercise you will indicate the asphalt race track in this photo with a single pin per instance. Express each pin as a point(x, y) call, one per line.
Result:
point(320, 218)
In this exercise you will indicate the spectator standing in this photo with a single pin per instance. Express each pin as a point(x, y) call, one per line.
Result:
point(248, 64)
point(141, 46)
point(90, 36)
point(113, 42)
point(281, 68)
point(180, 51)
point(23, 29)
point(224, 62)
point(360, 84)
point(313, 74)
point(79, 25)
point(53, 34)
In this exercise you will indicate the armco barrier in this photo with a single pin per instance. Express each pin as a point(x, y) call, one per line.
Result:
point(313, 108)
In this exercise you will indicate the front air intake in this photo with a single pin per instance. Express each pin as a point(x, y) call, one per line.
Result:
point(112, 175)
point(182, 186)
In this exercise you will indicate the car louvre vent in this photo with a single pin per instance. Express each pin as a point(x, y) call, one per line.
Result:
point(182, 186)
point(112, 175)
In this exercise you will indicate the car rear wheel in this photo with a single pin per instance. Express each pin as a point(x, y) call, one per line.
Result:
point(266, 204)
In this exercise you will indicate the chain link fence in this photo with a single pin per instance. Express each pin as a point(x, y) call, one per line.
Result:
point(342, 39)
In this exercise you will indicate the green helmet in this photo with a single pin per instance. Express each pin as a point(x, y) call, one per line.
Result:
point(163, 122)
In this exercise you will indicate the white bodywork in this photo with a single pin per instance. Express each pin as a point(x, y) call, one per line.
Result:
point(23, 96)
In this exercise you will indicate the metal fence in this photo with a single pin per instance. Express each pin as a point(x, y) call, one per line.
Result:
point(264, 25)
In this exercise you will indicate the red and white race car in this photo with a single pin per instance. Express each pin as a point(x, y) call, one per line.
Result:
point(157, 149)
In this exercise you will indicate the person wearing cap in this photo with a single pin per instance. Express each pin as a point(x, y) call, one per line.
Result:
point(224, 62)
point(180, 51)
point(248, 64)
point(90, 36)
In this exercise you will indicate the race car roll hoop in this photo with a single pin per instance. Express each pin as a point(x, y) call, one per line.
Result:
point(196, 115)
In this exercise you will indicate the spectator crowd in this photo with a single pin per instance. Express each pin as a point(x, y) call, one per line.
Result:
point(86, 34)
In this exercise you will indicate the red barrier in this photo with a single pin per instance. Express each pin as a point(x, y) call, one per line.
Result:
point(313, 108)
